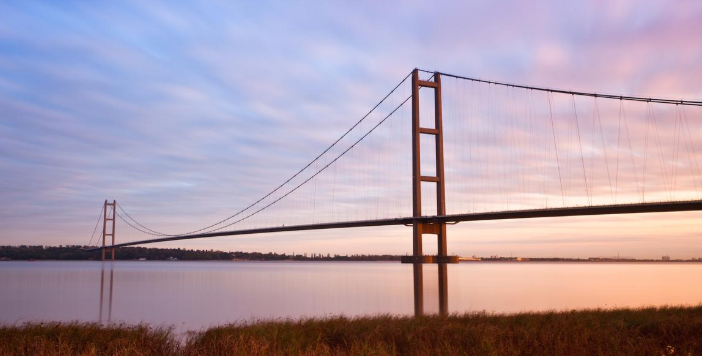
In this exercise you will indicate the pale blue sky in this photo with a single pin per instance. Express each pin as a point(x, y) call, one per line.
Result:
point(171, 107)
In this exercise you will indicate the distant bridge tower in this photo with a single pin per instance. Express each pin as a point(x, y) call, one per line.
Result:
point(106, 228)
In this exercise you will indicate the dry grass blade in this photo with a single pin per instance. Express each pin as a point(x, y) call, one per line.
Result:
point(649, 331)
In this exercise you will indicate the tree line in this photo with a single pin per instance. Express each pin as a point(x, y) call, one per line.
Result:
point(78, 252)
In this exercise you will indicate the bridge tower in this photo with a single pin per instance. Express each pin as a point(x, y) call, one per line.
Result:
point(423, 228)
point(434, 228)
point(109, 229)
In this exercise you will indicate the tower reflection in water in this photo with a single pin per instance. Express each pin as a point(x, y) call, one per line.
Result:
point(107, 286)
point(418, 270)
point(110, 273)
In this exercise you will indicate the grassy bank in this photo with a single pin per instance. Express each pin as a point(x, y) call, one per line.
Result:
point(86, 339)
point(665, 331)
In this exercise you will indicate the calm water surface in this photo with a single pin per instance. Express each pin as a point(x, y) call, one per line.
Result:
point(193, 295)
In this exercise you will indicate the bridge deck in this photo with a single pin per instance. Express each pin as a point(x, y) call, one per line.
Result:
point(695, 205)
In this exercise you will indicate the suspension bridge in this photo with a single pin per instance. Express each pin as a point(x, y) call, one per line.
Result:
point(442, 149)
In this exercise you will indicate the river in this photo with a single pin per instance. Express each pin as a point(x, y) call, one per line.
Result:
point(195, 295)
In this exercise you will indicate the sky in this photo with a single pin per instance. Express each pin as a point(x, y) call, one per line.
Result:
point(185, 112)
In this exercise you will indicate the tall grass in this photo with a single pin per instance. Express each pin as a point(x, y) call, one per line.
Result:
point(650, 331)
point(87, 339)
point(674, 331)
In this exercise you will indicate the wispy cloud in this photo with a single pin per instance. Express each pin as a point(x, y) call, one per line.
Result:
point(186, 113)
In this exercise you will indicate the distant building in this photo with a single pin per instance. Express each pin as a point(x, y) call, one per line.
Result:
point(665, 258)
point(473, 258)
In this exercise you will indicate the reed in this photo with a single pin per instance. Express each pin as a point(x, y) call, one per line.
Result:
point(87, 339)
point(647, 331)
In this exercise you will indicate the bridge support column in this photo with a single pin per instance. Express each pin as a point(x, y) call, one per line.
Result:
point(418, 274)
point(111, 230)
point(419, 228)
point(443, 289)
point(418, 270)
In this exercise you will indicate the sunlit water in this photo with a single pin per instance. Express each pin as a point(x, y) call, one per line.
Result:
point(193, 295)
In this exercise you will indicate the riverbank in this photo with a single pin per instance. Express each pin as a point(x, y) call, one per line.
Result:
point(81, 253)
point(649, 331)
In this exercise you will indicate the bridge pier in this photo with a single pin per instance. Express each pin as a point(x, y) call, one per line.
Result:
point(429, 259)
point(418, 274)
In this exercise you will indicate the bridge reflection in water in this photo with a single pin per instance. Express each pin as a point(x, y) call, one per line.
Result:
point(110, 273)
point(418, 271)
point(107, 274)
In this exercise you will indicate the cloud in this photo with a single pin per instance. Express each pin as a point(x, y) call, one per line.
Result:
point(186, 113)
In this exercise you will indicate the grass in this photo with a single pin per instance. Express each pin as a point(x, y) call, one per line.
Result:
point(86, 339)
point(650, 331)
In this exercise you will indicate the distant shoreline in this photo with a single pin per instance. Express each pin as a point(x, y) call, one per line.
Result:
point(79, 253)
point(531, 261)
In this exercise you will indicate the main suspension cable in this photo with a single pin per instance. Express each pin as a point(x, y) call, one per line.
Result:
point(318, 172)
point(156, 233)
point(102, 209)
point(570, 92)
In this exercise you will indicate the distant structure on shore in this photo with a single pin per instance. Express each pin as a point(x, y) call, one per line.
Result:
point(472, 258)
point(611, 259)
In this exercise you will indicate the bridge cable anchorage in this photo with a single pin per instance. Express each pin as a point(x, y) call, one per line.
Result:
point(301, 170)
point(579, 93)
point(96, 226)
